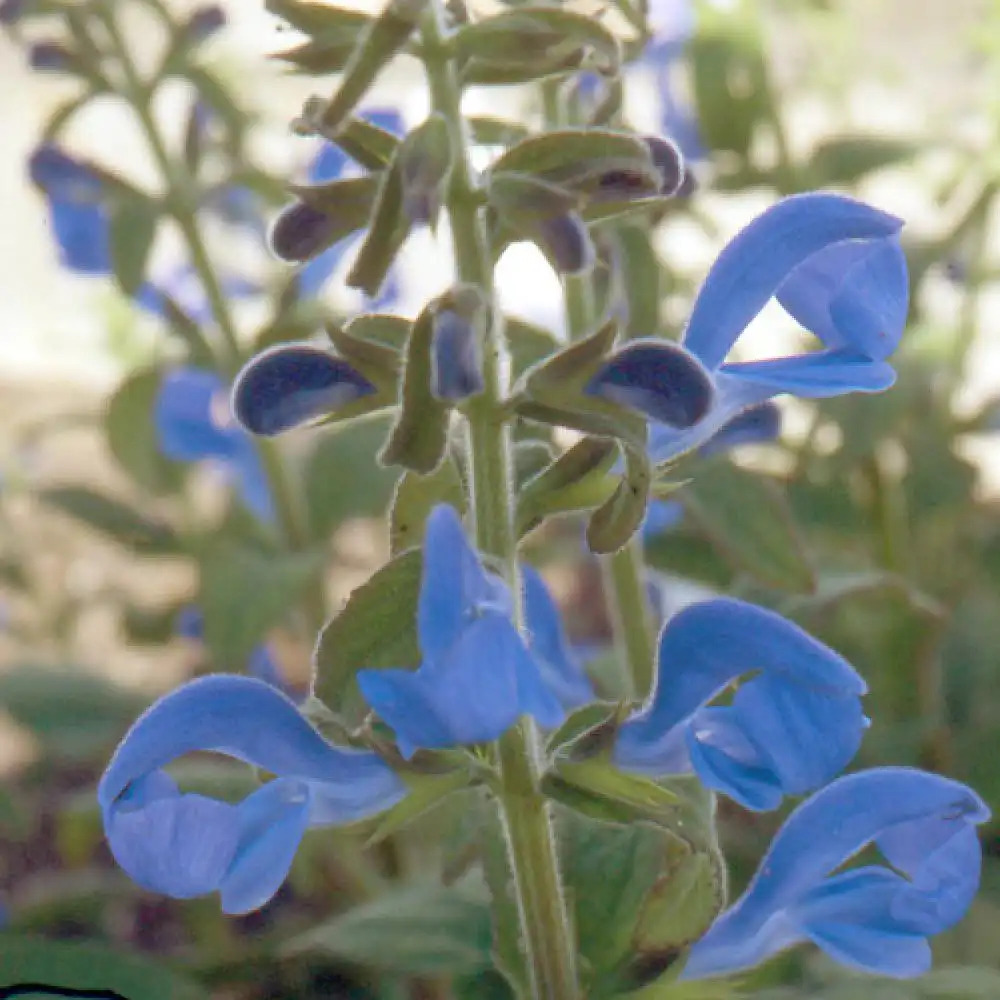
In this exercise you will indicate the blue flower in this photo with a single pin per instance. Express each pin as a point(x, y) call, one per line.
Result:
point(560, 668)
point(261, 662)
point(186, 845)
point(191, 415)
point(330, 164)
point(788, 729)
point(477, 678)
point(873, 918)
point(78, 209)
point(837, 267)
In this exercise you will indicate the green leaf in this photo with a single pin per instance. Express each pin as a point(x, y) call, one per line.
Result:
point(347, 199)
point(319, 18)
point(378, 362)
point(247, 591)
point(619, 517)
point(528, 344)
point(579, 479)
point(420, 930)
point(425, 792)
point(572, 150)
point(90, 967)
point(333, 496)
point(416, 496)
point(419, 437)
point(383, 38)
point(132, 231)
point(748, 519)
point(425, 166)
point(114, 519)
point(132, 435)
point(72, 713)
point(371, 146)
point(730, 82)
point(376, 629)
point(847, 159)
point(387, 229)
point(391, 331)
point(532, 35)
point(489, 131)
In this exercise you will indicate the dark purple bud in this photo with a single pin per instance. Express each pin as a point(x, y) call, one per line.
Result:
point(456, 361)
point(753, 426)
point(661, 380)
point(204, 23)
point(50, 56)
point(302, 232)
point(669, 161)
point(287, 386)
point(567, 241)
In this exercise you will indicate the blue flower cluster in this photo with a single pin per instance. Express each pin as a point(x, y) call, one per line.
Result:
point(744, 699)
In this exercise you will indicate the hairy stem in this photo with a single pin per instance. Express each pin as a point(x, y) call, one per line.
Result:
point(525, 815)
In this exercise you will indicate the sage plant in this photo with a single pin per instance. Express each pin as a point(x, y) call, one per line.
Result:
point(470, 680)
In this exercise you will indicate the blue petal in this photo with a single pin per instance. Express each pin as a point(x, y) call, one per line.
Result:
point(659, 379)
point(271, 823)
point(566, 242)
point(301, 233)
point(755, 425)
point(661, 516)
point(755, 264)
point(484, 684)
point(246, 719)
point(560, 670)
point(817, 375)
point(328, 164)
point(290, 384)
point(708, 645)
point(186, 415)
point(388, 119)
point(252, 483)
point(853, 295)
point(190, 623)
point(454, 588)
point(83, 236)
point(456, 364)
point(63, 178)
point(763, 746)
point(867, 918)
point(179, 845)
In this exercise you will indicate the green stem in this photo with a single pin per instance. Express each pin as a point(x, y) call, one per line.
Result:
point(625, 587)
point(524, 810)
point(183, 206)
point(624, 570)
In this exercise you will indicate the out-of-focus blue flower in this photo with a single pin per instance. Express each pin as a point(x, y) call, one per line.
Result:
point(192, 420)
point(836, 266)
point(11, 11)
point(672, 25)
point(755, 425)
point(50, 57)
point(791, 727)
point(873, 918)
point(186, 845)
point(330, 164)
point(292, 383)
point(204, 23)
point(261, 663)
point(477, 677)
point(78, 210)
point(561, 670)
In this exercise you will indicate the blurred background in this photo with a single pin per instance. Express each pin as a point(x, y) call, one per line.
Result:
point(129, 549)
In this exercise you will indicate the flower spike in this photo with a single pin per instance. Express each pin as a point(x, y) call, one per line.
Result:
point(186, 845)
point(872, 918)
point(789, 729)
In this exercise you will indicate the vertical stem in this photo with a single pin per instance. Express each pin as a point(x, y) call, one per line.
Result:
point(625, 587)
point(182, 203)
point(624, 571)
point(524, 811)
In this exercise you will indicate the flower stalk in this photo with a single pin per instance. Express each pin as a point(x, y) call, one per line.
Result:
point(545, 931)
